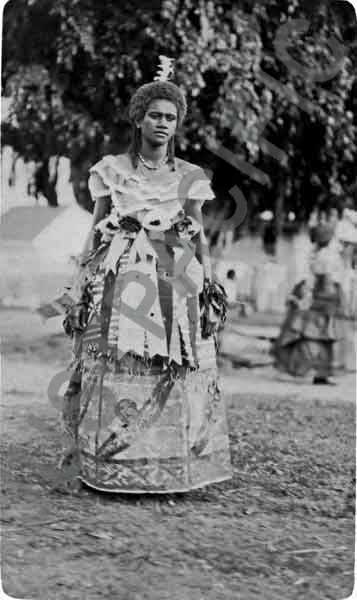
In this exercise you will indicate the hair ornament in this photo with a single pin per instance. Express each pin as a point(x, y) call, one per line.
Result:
point(166, 68)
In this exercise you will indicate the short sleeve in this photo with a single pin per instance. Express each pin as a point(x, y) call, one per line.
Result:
point(109, 177)
point(96, 186)
point(104, 177)
point(200, 189)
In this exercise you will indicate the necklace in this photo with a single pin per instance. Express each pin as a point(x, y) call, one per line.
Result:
point(152, 167)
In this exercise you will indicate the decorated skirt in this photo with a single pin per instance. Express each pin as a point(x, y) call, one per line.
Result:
point(150, 416)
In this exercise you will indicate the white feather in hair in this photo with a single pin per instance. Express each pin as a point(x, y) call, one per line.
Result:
point(166, 68)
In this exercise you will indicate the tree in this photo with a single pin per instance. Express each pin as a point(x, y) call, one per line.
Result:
point(78, 63)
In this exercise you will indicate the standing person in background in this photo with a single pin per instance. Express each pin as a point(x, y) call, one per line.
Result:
point(270, 239)
point(309, 331)
point(346, 241)
point(313, 223)
point(350, 214)
point(318, 217)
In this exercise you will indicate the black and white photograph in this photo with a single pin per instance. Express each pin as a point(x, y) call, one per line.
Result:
point(178, 299)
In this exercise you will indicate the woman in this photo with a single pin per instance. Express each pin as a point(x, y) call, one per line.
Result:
point(151, 417)
point(309, 332)
point(346, 241)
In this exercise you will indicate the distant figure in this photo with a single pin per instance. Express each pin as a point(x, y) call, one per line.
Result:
point(313, 223)
point(309, 332)
point(319, 218)
point(270, 239)
point(346, 241)
point(333, 217)
point(230, 285)
point(350, 214)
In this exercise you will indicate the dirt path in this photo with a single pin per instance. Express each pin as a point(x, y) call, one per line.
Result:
point(282, 528)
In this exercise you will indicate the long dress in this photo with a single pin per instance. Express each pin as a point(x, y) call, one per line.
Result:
point(310, 329)
point(151, 415)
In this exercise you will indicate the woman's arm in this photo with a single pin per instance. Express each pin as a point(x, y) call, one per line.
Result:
point(101, 210)
point(193, 209)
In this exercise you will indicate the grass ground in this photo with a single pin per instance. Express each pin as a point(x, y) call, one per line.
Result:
point(283, 527)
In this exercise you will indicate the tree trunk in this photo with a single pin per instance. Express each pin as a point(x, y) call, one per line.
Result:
point(12, 175)
point(279, 216)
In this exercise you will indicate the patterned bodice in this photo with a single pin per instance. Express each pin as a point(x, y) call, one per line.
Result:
point(150, 196)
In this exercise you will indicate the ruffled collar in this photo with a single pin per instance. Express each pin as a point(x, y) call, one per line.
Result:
point(187, 181)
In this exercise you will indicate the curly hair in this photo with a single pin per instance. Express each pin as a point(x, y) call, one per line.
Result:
point(156, 90)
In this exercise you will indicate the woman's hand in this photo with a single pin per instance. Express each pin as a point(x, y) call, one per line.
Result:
point(213, 306)
point(76, 319)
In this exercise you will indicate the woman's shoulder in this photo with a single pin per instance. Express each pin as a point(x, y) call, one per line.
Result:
point(113, 163)
point(110, 174)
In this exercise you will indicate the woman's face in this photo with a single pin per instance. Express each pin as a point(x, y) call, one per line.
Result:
point(159, 123)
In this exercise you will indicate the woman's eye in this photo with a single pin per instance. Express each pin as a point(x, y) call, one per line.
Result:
point(158, 116)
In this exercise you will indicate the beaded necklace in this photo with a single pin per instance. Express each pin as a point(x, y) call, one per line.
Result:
point(152, 167)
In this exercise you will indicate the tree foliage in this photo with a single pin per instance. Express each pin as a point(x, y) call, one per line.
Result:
point(70, 68)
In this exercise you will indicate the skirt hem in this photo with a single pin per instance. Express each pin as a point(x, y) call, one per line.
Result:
point(145, 491)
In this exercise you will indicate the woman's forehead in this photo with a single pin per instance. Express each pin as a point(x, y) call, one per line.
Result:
point(164, 106)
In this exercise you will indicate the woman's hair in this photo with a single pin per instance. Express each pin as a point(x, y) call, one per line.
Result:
point(140, 102)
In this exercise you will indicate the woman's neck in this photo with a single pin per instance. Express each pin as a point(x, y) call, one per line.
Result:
point(153, 154)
